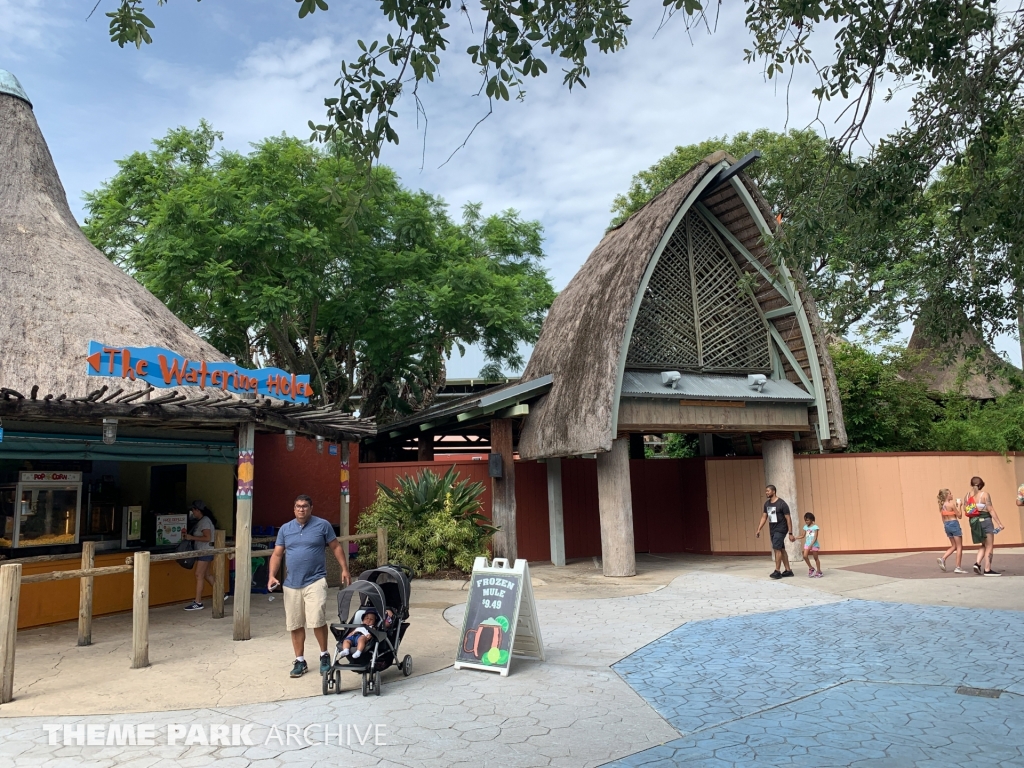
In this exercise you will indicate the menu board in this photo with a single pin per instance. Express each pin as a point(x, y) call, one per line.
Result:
point(500, 619)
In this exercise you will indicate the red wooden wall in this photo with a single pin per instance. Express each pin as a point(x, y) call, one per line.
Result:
point(669, 502)
point(281, 475)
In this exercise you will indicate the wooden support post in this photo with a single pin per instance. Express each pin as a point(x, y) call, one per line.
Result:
point(243, 530)
point(425, 448)
point(10, 592)
point(780, 471)
point(382, 546)
point(85, 594)
point(615, 506)
point(344, 519)
point(220, 563)
point(140, 612)
point(503, 492)
point(556, 523)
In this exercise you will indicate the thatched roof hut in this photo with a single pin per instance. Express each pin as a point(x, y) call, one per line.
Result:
point(665, 291)
point(965, 365)
point(58, 292)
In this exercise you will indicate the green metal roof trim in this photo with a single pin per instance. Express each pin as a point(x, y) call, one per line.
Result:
point(473, 406)
point(704, 386)
point(40, 446)
point(9, 84)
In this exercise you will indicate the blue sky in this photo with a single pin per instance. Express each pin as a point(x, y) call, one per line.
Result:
point(255, 69)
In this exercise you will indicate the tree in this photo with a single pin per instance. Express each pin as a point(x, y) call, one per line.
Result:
point(965, 58)
point(247, 250)
point(883, 411)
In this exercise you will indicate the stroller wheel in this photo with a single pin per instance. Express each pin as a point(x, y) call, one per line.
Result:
point(337, 681)
point(328, 682)
point(366, 685)
point(376, 683)
point(407, 666)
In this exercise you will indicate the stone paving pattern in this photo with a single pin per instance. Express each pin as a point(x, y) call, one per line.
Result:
point(572, 710)
point(854, 683)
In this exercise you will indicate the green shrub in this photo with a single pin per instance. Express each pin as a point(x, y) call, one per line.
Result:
point(433, 523)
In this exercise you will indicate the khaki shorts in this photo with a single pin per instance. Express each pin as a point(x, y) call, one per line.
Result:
point(306, 607)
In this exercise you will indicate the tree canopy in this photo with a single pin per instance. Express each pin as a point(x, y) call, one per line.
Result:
point(248, 250)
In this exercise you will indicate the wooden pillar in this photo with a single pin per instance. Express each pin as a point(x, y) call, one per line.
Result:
point(10, 592)
point(243, 530)
point(618, 554)
point(382, 546)
point(556, 522)
point(219, 572)
point(85, 586)
point(425, 448)
point(503, 491)
point(140, 612)
point(344, 518)
point(780, 471)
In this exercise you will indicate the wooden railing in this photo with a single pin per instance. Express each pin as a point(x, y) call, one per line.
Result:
point(139, 565)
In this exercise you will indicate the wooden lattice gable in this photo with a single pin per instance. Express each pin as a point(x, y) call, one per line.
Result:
point(695, 314)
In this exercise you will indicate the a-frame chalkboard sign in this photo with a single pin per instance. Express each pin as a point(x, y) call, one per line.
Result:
point(501, 618)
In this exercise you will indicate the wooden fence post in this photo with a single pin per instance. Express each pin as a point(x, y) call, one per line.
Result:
point(140, 612)
point(10, 591)
point(219, 568)
point(382, 546)
point(85, 594)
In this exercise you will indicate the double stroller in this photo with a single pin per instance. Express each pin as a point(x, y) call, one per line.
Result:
point(384, 591)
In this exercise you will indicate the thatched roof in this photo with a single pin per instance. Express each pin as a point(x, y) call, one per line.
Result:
point(58, 292)
point(944, 367)
point(583, 340)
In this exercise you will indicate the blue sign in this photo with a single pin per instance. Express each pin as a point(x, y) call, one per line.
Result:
point(165, 369)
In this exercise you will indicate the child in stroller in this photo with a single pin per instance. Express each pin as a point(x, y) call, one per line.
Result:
point(374, 629)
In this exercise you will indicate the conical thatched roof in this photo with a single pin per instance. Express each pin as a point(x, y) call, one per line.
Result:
point(586, 334)
point(58, 292)
point(944, 367)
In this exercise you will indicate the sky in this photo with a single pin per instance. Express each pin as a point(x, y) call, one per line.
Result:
point(254, 69)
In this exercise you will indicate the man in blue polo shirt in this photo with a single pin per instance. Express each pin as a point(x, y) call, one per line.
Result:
point(303, 541)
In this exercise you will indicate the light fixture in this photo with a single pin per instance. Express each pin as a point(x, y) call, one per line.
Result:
point(756, 381)
point(319, 444)
point(669, 378)
point(289, 439)
point(109, 431)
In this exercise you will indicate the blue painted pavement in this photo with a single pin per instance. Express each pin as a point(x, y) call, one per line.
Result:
point(854, 683)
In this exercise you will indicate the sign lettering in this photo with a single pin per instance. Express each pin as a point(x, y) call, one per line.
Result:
point(163, 368)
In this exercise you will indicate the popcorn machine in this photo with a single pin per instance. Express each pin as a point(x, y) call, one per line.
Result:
point(44, 509)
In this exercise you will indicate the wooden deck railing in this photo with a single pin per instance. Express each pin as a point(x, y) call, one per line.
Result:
point(139, 565)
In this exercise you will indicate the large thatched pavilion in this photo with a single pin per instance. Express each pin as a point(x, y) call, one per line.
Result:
point(678, 322)
point(103, 459)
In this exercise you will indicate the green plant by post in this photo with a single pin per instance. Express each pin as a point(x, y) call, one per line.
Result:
point(433, 522)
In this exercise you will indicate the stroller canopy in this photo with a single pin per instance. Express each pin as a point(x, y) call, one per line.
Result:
point(360, 595)
point(394, 586)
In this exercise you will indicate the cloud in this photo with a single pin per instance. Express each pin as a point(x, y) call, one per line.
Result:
point(23, 25)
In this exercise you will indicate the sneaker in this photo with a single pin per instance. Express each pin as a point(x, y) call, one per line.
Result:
point(299, 669)
point(194, 606)
point(942, 564)
point(325, 663)
point(810, 572)
point(818, 574)
point(787, 573)
point(959, 570)
point(775, 575)
point(992, 573)
point(977, 568)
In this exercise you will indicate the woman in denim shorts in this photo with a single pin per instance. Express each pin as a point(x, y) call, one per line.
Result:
point(951, 513)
